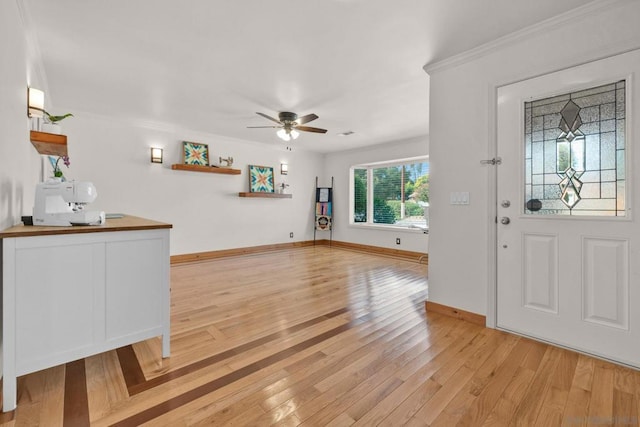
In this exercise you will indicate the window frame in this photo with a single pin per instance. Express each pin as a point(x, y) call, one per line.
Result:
point(369, 224)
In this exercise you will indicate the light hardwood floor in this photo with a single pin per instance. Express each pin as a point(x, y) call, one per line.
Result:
point(325, 337)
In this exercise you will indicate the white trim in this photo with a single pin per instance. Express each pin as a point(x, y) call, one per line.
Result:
point(385, 227)
point(591, 8)
point(398, 162)
point(491, 313)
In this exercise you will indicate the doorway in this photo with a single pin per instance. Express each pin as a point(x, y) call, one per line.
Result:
point(568, 242)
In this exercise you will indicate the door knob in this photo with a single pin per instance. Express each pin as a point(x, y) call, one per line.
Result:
point(505, 220)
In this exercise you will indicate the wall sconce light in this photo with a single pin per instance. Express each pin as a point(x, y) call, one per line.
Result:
point(35, 102)
point(156, 155)
point(284, 169)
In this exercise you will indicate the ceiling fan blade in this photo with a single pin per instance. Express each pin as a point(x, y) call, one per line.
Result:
point(269, 118)
point(310, 129)
point(263, 127)
point(306, 119)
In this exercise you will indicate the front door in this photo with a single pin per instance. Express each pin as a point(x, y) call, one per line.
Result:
point(568, 240)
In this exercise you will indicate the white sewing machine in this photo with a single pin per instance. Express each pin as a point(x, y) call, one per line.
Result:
point(62, 204)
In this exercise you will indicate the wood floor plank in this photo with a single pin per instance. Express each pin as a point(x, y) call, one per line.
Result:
point(212, 409)
point(601, 406)
point(576, 411)
point(321, 336)
point(351, 390)
point(483, 405)
point(53, 398)
point(429, 364)
point(368, 373)
point(300, 387)
point(484, 363)
point(531, 404)
point(76, 403)
point(556, 397)
point(342, 420)
point(364, 405)
point(97, 395)
point(507, 404)
point(419, 399)
point(624, 408)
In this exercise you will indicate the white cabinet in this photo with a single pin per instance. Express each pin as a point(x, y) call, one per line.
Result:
point(69, 296)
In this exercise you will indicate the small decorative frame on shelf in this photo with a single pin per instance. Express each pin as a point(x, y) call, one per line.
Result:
point(194, 153)
point(261, 179)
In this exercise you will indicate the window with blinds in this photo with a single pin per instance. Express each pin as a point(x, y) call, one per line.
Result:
point(359, 195)
point(392, 194)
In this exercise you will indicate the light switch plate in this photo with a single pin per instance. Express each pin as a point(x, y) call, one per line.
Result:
point(459, 198)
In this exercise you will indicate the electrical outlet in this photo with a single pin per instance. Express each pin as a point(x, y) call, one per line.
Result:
point(291, 235)
point(397, 240)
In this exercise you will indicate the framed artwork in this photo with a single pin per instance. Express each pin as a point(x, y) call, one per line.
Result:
point(323, 195)
point(323, 222)
point(261, 179)
point(195, 153)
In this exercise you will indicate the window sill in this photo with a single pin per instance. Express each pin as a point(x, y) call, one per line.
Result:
point(383, 227)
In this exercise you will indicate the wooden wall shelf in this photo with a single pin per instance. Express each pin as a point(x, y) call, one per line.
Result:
point(207, 169)
point(266, 195)
point(49, 143)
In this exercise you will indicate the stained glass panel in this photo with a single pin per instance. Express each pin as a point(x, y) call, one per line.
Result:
point(575, 153)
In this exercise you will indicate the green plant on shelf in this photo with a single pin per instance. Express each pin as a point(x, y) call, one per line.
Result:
point(55, 119)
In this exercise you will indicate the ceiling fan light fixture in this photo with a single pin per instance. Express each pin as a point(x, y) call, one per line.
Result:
point(288, 134)
point(290, 125)
point(283, 135)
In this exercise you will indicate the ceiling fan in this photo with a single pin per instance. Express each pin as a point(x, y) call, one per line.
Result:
point(289, 124)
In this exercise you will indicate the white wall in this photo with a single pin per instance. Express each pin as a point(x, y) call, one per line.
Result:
point(338, 165)
point(204, 208)
point(462, 126)
point(19, 161)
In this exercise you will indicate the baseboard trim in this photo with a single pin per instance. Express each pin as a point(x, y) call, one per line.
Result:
point(252, 250)
point(474, 318)
point(377, 250)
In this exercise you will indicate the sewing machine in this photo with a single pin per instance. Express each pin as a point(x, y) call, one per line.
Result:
point(228, 161)
point(62, 204)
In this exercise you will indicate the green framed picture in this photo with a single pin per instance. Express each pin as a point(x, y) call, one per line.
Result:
point(195, 153)
point(261, 179)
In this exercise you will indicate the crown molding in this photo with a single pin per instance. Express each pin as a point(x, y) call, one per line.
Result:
point(591, 8)
point(33, 50)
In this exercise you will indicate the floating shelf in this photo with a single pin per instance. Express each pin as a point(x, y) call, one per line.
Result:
point(266, 195)
point(207, 169)
point(49, 143)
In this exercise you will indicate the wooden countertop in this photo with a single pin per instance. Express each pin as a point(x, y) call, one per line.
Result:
point(127, 223)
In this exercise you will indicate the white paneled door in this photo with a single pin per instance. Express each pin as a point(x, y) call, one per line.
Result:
point(568, 240)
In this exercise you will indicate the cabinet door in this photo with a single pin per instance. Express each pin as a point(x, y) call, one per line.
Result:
point(134, 286)
point(57, 303)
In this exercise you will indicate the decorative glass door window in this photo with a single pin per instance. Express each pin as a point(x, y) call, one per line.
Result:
point(575, 153)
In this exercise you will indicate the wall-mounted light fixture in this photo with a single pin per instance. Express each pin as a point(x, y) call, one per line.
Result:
point(156, 155)
point(284, 169)
point(35, 102)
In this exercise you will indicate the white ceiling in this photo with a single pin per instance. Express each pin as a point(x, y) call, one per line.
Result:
point(209, 65)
